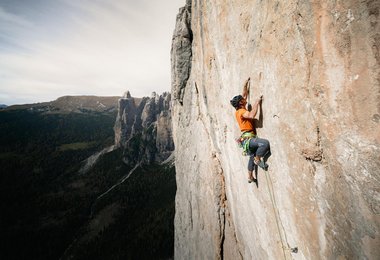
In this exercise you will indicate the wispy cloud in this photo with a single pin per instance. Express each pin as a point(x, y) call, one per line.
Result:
point(6, 17)
point(95, 47)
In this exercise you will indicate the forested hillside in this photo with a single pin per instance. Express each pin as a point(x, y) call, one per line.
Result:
point(46, 204)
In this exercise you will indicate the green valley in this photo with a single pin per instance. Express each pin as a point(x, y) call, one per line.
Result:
point(49, 210)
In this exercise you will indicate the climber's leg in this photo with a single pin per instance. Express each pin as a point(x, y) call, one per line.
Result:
point(261, 147)
point(251, 167)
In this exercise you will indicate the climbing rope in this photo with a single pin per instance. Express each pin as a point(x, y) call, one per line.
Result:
point(283, 236)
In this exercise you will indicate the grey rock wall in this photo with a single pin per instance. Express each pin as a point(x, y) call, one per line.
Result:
point(181, 52)
point(317, 65)
point(143, 128)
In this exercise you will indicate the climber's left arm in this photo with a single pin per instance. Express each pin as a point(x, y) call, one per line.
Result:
point(251, 114)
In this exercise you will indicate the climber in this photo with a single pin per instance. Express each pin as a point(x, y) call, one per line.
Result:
point(253, 146)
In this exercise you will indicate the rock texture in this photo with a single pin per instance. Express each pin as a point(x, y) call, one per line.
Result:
point(317, 65)
point(181, 52)
point(143, 128)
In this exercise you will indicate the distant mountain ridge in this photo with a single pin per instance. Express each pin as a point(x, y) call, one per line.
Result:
point(77, 104)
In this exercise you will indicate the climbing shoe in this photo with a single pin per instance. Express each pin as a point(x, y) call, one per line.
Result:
point(252, 180)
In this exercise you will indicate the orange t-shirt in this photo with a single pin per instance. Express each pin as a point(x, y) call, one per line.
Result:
point(245, 124)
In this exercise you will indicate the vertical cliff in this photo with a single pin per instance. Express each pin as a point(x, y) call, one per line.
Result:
point(317, 65)
point(143, 128)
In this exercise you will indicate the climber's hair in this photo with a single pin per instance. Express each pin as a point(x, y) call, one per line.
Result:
point(235, 101)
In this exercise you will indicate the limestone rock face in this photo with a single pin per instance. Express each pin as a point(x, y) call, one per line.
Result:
point(317, 65)
point(143, 128)
point(181, 52)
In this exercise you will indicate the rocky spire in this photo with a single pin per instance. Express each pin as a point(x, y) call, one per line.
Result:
point(127, 94)
point(143, 128)
point(181, 52)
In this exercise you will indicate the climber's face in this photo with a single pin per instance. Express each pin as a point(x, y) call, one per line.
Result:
point(243, 102)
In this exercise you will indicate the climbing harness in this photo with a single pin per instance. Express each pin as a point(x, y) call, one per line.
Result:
point(243, 142)
point(284, 240)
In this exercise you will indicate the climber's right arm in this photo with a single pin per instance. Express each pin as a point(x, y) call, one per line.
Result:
point(245, 88)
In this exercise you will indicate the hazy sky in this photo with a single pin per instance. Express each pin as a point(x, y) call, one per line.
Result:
point(52, 48)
